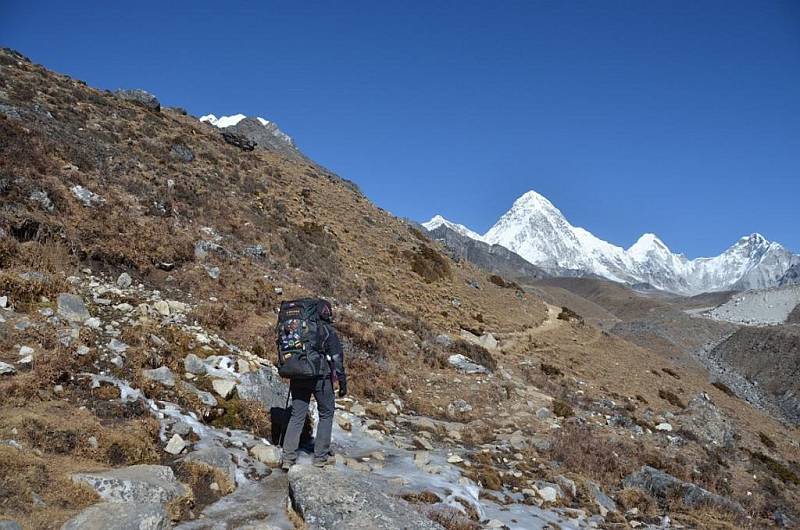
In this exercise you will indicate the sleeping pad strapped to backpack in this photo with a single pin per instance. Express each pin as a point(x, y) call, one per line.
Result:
point(301, 336)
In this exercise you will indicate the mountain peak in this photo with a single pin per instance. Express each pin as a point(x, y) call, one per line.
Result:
point(437, 221)
point(532, 200)
point(646, 244)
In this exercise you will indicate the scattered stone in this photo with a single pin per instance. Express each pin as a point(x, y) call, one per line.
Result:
point(443, 340)
point(422, 443)
point(663, 486)
point(223, 387)
point(329, 498)
point(87, 197)
point(72, 308)
point(26, 361)
point(3, 301)
point(134, 484)
point(139, 96)
point(458, 407)
point(7, 369)
point(117, 346)
point(518, 441)
point(267, 454)
point(92, 441)
point(543, 413)
point(93, 323)
point(206, 398)
point(82, 350)
point(255, 251)
point(194, 365)
point(124, 280)
point(213, 272)
point(454, 459)
point(567, 484)
point(161, 375)
point(46, 312)
point(264, 385)
point(548, 493)
point(125, 516)
point(392, 409)
point(162, 307)
point(25, 350)
point(175, 445)
point(664, 427)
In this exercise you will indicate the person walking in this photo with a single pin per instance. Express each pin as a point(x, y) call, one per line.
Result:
point(325, 358)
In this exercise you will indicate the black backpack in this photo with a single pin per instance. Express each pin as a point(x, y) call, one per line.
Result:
point(301, 336)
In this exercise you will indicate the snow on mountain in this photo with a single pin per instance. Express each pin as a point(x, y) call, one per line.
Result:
point(438, 221)
point(224, 122)
point(536, 230)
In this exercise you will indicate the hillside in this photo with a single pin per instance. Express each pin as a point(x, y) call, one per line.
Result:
point(143, 257)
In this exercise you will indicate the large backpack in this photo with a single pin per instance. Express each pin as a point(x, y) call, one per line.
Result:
point(301, 336)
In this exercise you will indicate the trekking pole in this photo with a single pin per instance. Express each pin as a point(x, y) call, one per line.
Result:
point(286, 423)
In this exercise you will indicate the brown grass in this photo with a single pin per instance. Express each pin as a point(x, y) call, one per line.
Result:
point(428, 263)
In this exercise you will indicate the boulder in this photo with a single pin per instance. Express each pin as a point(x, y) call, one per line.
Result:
point(488, 341)
point(7, 369)
point(72, 308)
point(139, 484)
point(161, 375)
point(194, 365)
point(141, 97)
point(465, 364)
point(89, 198)
point(329, 498)
point(603, 501)
point(175, 445)
point(206, 398)
point(703, 419)
point(267, 454)
point(217, 458)
point(223, 387)
point(8, 524)
point(263, 385)
point(124, 280)
point(239, 140)
point(458, 407)
point(663, 486)
point(125, 516)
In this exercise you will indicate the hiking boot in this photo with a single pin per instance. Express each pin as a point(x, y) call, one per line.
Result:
point(322, 462)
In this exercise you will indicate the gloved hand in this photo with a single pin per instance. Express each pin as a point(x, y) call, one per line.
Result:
point(342, 388)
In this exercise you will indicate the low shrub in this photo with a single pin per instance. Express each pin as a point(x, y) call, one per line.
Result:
point(672, 398)
point(428, 263)
point(719, 385)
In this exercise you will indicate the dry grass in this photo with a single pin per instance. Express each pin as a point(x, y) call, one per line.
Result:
point(671, 398)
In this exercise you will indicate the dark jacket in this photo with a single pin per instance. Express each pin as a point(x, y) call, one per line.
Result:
point(333, 347)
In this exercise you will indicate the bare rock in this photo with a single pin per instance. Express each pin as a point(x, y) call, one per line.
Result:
point(328, 498)
point(72, 308)
point(139, 484)
point(119, 516)
point(663, 486)
point(141, 97)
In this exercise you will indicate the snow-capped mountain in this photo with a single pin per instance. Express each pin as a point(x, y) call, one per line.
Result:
point(438, 221)
point(536, 230)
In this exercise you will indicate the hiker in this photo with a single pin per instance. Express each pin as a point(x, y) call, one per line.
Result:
point(311, 356)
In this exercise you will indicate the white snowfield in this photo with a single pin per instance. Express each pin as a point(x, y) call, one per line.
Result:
point(758, 307)
point(536, 230)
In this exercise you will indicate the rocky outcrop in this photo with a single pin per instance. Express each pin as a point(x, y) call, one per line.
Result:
point(72, 308)
point(328, 498)
point(664, 486)
point(492, 258)
point(120, 516)
point(705, 421)
point(239, 140)
point(141, 97)
point(140, 484)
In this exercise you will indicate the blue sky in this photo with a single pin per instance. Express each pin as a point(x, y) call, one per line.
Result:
point(679, 118)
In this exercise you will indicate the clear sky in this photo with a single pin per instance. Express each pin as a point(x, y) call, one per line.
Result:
point(675, 117)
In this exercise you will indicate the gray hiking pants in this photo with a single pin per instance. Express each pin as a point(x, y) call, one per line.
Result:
point(302, 389)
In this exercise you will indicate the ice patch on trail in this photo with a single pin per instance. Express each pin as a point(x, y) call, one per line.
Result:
point(403, 475)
